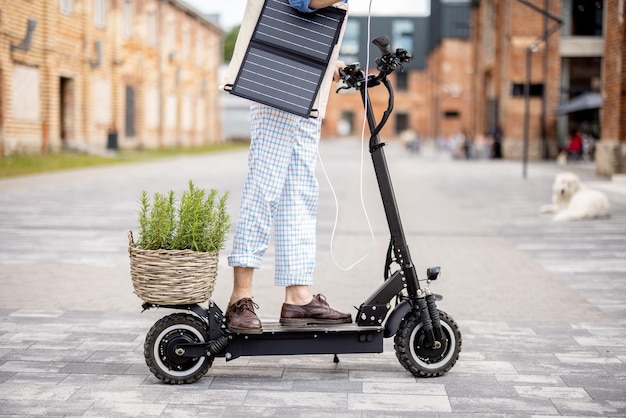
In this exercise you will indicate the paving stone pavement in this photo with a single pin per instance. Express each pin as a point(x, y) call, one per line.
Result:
point(541, 305)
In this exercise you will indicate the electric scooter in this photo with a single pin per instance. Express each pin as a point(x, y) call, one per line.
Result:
point(181, 347)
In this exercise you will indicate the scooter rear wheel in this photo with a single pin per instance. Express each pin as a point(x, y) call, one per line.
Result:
point(161, 354)
point(416, 357)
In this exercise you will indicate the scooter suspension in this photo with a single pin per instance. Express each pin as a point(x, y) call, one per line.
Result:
point(427, 322)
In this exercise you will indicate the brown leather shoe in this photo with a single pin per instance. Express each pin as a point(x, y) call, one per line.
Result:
point(315, 312)
point(240, 317)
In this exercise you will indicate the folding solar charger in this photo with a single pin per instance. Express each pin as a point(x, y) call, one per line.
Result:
point(288, 56)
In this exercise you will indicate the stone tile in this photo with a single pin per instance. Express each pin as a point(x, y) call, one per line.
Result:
point(190, 395)
point(129, 357)
point(94, 368)
point(199, 410)
point(392, 402)
point(42, 408)
point(4, 376)
point(293, 373)
point(497, 367)
point(587, 408)
point(325, 385)
point(552, 392)
point(126, 409)
point(480, 391)
point(31, 366)
point(419, 388)
point(612, 393)
point(312, 400)
point(368, 375)
point(503, 405)
point(401, 414)
point(236, 383)
point(36, 392)
point(530, 379)
point(245, 372)
point(121, 395)
point(586, 357)
point(39, 355)
point(95, 380)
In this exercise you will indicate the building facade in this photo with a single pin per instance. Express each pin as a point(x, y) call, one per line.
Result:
point(610, 155)
point(567, 51)
point(432, 93)
point(92, 74)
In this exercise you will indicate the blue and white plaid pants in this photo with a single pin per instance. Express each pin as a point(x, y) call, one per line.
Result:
point(280, 190)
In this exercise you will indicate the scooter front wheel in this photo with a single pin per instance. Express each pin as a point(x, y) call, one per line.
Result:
point(162, 357)
point(414, 353)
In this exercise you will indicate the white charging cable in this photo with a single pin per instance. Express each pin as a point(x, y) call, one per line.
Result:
point(332, 237)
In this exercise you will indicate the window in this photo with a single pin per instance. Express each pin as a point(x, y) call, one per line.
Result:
point(128, 19)
point(99, 13)
point(199, 48)
point(534, 89)
point(130, 113)
point(66, 6)
point(402, 122)
point(186, 47)
point(152, 29)
point(587, 17)
point(350, 45)
point(171, 36)
point(402, 80)
point(402, 34)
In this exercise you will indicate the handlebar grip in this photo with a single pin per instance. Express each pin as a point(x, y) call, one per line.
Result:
point(382, 42)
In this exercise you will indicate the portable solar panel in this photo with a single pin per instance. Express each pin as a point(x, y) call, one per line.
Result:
point(288, 55)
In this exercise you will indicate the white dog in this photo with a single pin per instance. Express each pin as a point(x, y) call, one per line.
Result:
point(571, 201)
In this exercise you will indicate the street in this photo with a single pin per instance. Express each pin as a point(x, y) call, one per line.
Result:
point(541, 305)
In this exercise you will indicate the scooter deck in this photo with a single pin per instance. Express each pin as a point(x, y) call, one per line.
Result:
point(278, 328)
point(277, 339)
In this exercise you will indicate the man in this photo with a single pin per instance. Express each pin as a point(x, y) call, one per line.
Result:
point(281, 191)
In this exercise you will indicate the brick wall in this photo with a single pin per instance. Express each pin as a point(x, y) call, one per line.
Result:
point(501, 41)
point(79, 98)
point(444, 86)
point(611, 151)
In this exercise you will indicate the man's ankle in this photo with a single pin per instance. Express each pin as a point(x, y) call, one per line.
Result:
point(298, 295)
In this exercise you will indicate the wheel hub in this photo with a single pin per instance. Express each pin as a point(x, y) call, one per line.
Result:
point(172, 355)
point(427, 353)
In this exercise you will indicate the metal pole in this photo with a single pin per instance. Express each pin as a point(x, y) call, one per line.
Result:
point(529, 52)
point(544, 139)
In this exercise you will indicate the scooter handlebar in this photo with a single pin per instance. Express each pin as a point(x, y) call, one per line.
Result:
point(354, 76)
point(383, 42)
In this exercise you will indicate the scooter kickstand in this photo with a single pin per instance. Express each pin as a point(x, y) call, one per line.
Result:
point(336, 359)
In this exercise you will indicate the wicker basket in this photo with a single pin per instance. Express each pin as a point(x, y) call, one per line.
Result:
point(172, 277)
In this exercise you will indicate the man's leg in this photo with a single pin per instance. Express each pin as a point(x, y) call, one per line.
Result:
point(268, 159)
point(240, 315)
point(242, 284)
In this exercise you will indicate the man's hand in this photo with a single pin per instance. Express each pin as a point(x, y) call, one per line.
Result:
point(338, 66)
point(319, 4)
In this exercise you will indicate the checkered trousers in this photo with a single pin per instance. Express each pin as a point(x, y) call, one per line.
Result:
point(280, 191)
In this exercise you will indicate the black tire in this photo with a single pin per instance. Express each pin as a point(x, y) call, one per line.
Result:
point(161, 341)
point(423, 361)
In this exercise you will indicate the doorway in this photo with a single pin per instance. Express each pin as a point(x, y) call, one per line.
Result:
point(66, 110)
point(130, 128)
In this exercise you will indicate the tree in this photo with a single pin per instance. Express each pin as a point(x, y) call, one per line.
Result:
point(229, 43)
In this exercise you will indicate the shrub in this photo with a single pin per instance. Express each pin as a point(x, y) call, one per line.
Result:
point(199, 221)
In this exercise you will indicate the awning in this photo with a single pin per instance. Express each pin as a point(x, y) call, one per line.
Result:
point(585, 101)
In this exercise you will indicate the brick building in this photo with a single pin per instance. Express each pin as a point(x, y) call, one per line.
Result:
point(432, 94)
point(581, 58)
point(74, 71)
point(611, 151)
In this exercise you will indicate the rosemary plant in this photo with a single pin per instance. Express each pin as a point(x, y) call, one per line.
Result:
point(198, 222)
